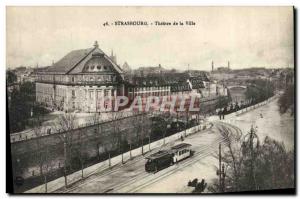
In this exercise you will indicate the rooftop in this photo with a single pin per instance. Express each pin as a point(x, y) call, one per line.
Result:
point(75, 60)
point(158, 155)
point(181, 145)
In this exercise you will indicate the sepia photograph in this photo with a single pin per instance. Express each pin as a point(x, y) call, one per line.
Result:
point(150, 100)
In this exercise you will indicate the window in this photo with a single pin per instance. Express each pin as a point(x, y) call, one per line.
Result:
point(73, 93)
point(99, 67)
point(106, 93)
point(91, 93)
point(99, 94)
point(73, 79)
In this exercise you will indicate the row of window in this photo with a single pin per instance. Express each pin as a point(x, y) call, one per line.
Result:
point(163, 93)
point(77, 78)
point(94, 78)
point(97, 67)
point(183, 151)
point(91, 93)
point(149, 89)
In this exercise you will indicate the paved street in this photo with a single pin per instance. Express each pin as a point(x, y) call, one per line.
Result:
point(269, 122)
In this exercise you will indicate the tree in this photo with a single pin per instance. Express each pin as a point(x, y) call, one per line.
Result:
point(96, 120)
point(116, 131)
point(44, 154)
point(11, 77)
point(286, 100)
point(65, 124)
point(252, 166)
point(259, 90)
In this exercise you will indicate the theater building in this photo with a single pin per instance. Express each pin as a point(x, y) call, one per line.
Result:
point(79, 81)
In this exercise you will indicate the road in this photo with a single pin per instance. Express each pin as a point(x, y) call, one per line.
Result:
point(269, 122)
point(132, 178)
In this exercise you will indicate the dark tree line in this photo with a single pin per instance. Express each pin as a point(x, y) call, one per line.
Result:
point(22, 108)
point(10, 77)
point(286, 100)
point(259, 90)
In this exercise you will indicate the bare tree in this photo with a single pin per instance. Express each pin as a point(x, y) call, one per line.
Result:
point(131, 140)
point(80, 151)
point(65, 124)
point(42, 150)
point(232, 154)
point(48, 165)
point(116, 131)
point(96, 120)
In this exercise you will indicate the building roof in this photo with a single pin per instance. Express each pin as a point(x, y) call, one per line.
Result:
point(75, 60)
point(70, 60)
point(177, 81)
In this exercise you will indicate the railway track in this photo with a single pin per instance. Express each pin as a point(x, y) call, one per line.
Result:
point(154, 178)
point(200, 155)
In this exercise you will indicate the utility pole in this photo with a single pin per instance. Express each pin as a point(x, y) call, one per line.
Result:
point(142, 134)
point(65, 165)
point(252, 157)
point(220, 173)
point(250, 152)
point(187, 121)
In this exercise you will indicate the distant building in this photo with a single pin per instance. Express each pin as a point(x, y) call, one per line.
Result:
point(126, 68)
point(144, 71)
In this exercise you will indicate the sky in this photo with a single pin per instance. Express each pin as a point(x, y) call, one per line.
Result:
point(245, 36)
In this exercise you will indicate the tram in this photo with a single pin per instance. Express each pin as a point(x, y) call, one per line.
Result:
point(181, 152)
point(158, 161)
point(166, 158)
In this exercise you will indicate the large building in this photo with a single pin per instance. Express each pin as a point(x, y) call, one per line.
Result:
point(83, 78)
point(79, 81)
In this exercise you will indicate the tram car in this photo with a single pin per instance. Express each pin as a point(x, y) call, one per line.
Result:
point(165, 158)
point(181, 151)
point(158, 161)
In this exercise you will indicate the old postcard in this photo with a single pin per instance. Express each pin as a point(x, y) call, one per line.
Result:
point(127, 100)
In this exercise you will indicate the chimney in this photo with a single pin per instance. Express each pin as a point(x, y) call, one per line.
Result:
point(212, 66)
point(96, 44)
point(113, 57)
point(228, 64)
